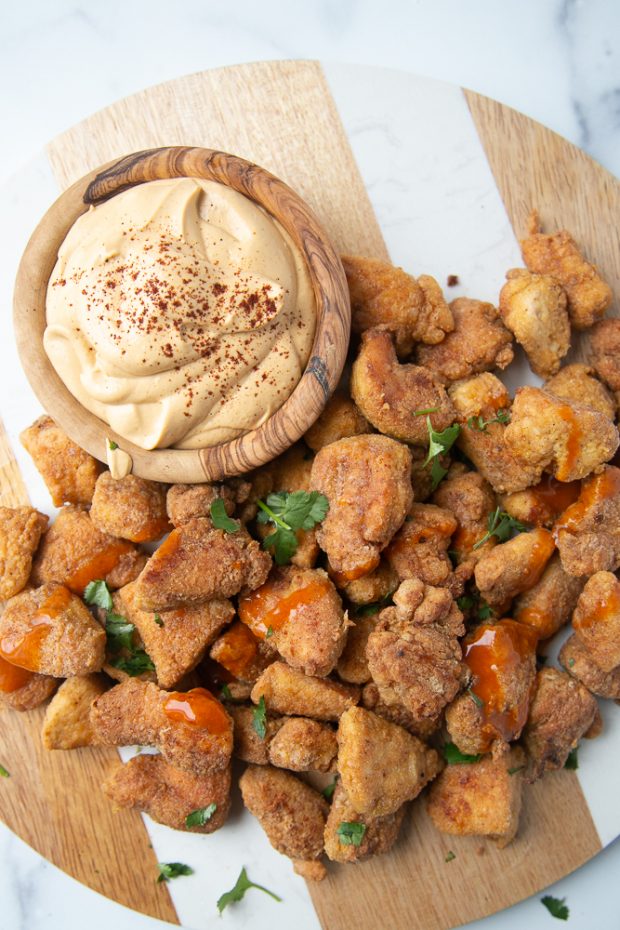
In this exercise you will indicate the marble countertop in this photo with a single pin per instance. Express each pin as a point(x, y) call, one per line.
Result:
point(62, 59)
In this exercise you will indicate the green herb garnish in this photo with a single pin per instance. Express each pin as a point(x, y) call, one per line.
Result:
point(423, 413)
point(450, 856)
point(369, 610)
point(484, 611)
point(259, 718)
point(479, 423)
point(556, 907)
point(269, 632)
point(572, 762)
point(168, 870)
point(119, 633)
point(220, 518)
point(502, 525)
point(454, 756)
point(465, 602)
point(571, 662)
point(135, 664)
point(351, 833)
point(225, 693)
point(439, 444)
point(328, 790)
point(475, 698)
point(98, 594)
point(200, 817)
point(112, 446)
point(242, 885)
point(158, 620)
point(288, 512)
point(4, 773)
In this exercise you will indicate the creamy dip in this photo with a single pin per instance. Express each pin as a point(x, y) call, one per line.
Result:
point(180, 313)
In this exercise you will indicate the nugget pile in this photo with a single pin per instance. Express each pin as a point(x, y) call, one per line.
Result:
point(395, 643)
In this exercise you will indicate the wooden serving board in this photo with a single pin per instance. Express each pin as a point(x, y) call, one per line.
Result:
point(283, 116)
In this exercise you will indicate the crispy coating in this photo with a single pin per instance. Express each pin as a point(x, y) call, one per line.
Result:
point(548, 604)
point(389, 394)
point(177, 641)
point(479, 342)
point(74, 552)
point(380, 764)
point(291, 813)
point(480, 799)
point(420, 548)
point(126, 569)
point(605, 351)
point(314, 871)
point(28, 692)
point(131, 507)
point(566, 438)
point(66, 724)
point(578, 384)
point(514, 566)
point(421, 473)
point(558, 255)
point(49, 630)
point(579, 663)
point(542, 504)
point(248, 745)
point(242, 653)
point(69, 472)
point(138, 712)
point(186, 501)
point(302, 609)
point(561, 712)
point(288, 691)
point(596, 619)
point(339, 420)
point(198, 563)
point(20, 532)
point(353, 664)
point(471, 500)
point(379, 836)
point(304, 745)
point(484, 395)
point(423, 727)
point(534, 308)
point(588, 532)
point(367, 480)
point(375, 586)
point(413, 654)
point(168, 794)
point(384, 295)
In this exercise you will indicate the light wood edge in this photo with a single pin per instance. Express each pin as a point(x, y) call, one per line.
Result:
point(329, 348)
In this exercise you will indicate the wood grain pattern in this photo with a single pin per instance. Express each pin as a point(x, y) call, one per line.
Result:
point(333, 318)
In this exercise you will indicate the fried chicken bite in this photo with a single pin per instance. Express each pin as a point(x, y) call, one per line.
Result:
point(22, 690)
point(420, 548)
point(69, 472)
point(471, 500)
point(291, 813)
point(249, 746)
point(131, 507)
point(241, 653)
point(340, 420)
point(288, 691)
point(126, 569)
point(480, 799)
point(381, 765)
point(377, 585)
point(479, 342)
point(169, 795)
point(578, 384)
point(543, 503)
point(304, 745)
point(485, 396)
point(66, 724)
point(186, 501)
point(605, 352)
point(501, 659)
point(73, 552)
point(588, 532)
point(413, 654)
point(596, 619)
point(198, 563)
point(48, 630)
point(561, 712)
point(384, 295)
point(422, 727)
point(192, 730)
point(353, 665)
point(367, 481)
point(547, 606)
point(565, 438)
point(389, 394)
point(299, 610)
point(534, 308)
point(579, 663)
point(514, 566)
point(558, 255)
point(378, 834)
point(20, 532)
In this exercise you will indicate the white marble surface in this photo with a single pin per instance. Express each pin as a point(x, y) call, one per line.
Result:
point(61, 60)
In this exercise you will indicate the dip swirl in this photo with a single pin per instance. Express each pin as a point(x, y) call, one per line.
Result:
point(180, 313)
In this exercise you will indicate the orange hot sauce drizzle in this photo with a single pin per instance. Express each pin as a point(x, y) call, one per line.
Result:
point(12, 677)
point(551, 498)
point(538, 620)
point(197, 708)
point(26, 651)
point(257, 612)
point(594, 491)
point(491, 652)
point(237, 649)
point(602, 610)
point(573, 441)
point(153, 529)
point(341, 579)
point(540, 554)
point(97, 567)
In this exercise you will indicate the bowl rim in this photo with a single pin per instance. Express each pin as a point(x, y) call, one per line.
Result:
point(327, 356)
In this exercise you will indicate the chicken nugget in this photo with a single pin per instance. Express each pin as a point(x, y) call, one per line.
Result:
point(339, 420)
point(353, 837)
point(66, 724)
point(578, 384)
point(20, 532)
point(578, 662)
point(391, 395)
point(69, 472)
point(471, 500)
point(588, 532)
point(420, 548)
point(548, 604)
point(48, 630)
point(23, 690)
point(605, 352)
point(249, 745)
point(131, 507)
point(288, 691)
point(514, 566)
point(534, 308)
point(304, 745)
point(423, 727)
point(596, 619)
point(186, 501)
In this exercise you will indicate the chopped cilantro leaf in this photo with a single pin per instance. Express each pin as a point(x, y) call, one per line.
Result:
point(571, 662)
point(423, 413)
point(112, 446)
point(221, 520)
point(465, 602)
point(4, 773)
point(351, 833)
point(556, 907)
point(328, 790)
point(475, 698)
point(225, 693)
point(269, 632)
point(135, 664)
point(168, 870)
point(502, 525)
point(158, 620)
point(119, 633)
point(242, 885)
point(479, 423)
point(259, 718)
point(288, 512)
point(200, 817)
point(572, 762)
point(439, 444)
point(450, 856)
point(484, 611)
point(98, 593)
point(438, 473)
point(454, 756)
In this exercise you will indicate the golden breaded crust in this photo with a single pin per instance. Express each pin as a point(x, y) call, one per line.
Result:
point(339, 420)
point(578, 383)
point(20, 532)
point(471, 500)
point(304, 745)
point(381, 765)
point(313, 871)
point(186, 501)
point(131, 507)
point(420, 548)
point(69, 472)
point(548, 605)
point(578, 662)
point(514, 566)
point(367, 481)
point(33, 693)
point(126, 569)
point(66, 724)
point(248, 745)
point(288, 691)
point(379, 835)
point(377, 585)
point(149, 783)
point(241, 653)
point(384, 295)
point(534, 308)
point(49, 630)
point(588, 532)
point(596, 619)
point(479, 342)
point(605, 351)
point(352, 665)
point(389, 393)
point(423, 727)
point(291, 813)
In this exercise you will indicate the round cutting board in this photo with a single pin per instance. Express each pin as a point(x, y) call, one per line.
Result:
point(442, 181)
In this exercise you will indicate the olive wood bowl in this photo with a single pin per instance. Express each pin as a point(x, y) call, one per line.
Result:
point(327, 356)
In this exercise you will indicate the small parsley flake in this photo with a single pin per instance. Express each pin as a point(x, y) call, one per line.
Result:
point(112, 446)
point(351, 833)
point(4, 773)
point(502, 525)
point(201, 816)
point(328, 790)
point(439, 444)
point(454, 756)
point(168, 870)
point(98, 594)
point(158, 620)
point(450, 856)
point(479, 423)
point(236, 893)
point(269, 632)
point(225, 693)
point(572, 762)
point(556, 907)
point(259, 718)
point(220, 518)
point(423, 413)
